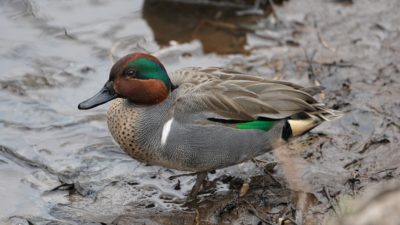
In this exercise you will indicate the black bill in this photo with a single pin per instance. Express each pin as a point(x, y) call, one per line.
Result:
point(106, 94)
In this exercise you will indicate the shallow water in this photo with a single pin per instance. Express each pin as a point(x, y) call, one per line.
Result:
point(60, 165)
point(53, 55)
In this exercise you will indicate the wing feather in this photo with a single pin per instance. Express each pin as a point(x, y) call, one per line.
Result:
point(232, 95)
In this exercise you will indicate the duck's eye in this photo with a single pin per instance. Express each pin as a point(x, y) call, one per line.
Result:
point(130, 73)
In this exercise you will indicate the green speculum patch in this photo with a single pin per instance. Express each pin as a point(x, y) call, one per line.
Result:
point(264, 125)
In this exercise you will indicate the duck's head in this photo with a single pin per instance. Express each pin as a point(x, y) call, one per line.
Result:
point(138, 77)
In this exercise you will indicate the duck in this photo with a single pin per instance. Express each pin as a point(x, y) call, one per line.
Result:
point(202, 119)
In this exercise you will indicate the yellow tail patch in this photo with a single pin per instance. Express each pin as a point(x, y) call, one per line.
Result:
point(299, 127)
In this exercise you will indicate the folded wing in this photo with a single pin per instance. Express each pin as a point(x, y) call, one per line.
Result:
point(234, 96)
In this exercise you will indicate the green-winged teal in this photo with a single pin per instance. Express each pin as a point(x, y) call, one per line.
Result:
point(201, 119)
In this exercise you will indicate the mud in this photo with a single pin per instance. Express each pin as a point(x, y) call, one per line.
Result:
point(59, 165)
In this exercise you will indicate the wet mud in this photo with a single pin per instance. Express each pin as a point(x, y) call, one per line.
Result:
point(59, 165)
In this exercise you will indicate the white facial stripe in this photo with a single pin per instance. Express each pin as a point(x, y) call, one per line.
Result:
point(165, 131)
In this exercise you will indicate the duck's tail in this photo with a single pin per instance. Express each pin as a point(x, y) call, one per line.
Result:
point(326, 114)
point(303, 122)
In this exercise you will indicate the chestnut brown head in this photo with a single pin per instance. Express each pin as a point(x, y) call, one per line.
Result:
point(138, 77)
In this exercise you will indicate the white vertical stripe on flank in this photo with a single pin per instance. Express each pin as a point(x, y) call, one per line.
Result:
point(165, 131)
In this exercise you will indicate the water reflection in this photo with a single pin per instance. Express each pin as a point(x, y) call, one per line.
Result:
point(217, 26)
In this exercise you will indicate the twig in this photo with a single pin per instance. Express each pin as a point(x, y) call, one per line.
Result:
point(244, 189)
point(310, 66)
point(285, 217)
point(254, 211)
point(291, 220)
point(354, 161)
point(273, 10)
point(266, 170)
point(323, 42)
point(63, 187)
point(68, 35)
point(255, 161)
point(181, 175)
point(283, 220)
point(322, 93)
point(333, 204)
point(311, 72)
point(386, 170)
point(197, 217)
point(273, 178)
point(267, 37)
point(375, 109)
point(371, 142)
point(341, 63)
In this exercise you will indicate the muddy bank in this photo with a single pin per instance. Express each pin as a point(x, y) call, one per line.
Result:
point(60, 166)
